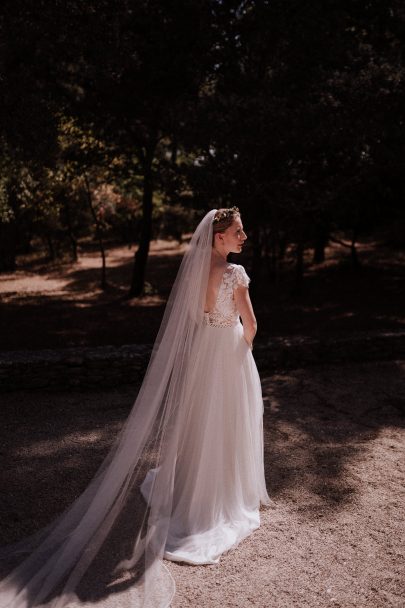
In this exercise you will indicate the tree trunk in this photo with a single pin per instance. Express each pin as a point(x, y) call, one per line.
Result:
point(141, 255)
point(321, 240)
point(174, 149)
point(99, 236)
point(8, 235)
point(353, 252)
point(51, 248)
point(282, 247)
point(271, 257)
point(73, 243)
point(319, 252)
point(71, 234)
point(299, 267)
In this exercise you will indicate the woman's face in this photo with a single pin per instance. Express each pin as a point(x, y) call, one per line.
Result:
point(232, 239)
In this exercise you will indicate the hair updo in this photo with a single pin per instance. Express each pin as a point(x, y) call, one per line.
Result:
point(223, 218)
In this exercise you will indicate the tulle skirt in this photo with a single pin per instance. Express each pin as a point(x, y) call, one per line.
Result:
point(219, 479)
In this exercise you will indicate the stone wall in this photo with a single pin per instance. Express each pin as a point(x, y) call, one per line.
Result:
point(70, 368)
point(109, 366)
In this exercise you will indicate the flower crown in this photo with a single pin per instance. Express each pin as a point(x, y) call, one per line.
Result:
point(225, 214)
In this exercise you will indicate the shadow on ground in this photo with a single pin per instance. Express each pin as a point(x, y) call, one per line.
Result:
point(319, 423)
point(333, 450)
point(62, 305)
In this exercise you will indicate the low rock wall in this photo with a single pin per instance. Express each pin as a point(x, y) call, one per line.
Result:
point(109, 366)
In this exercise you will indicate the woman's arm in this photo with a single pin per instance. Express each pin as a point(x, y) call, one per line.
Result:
point(245, 309)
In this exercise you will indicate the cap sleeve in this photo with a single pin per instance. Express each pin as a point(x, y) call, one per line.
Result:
point(240, 278)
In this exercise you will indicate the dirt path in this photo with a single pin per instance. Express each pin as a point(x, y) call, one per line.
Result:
point(334, 451)
point(335, 463)
point(61, 304)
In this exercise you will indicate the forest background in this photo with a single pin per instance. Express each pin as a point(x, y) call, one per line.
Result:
point(122, 123)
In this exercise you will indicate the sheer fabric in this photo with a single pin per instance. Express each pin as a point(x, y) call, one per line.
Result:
point(219, 480)
point(192, 446)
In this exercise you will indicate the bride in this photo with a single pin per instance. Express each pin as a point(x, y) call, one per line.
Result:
point(192, 445)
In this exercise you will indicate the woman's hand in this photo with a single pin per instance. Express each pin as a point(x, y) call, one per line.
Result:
point(250, 344)
point(245, 309)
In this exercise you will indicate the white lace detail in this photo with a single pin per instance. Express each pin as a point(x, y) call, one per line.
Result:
point(225, 313)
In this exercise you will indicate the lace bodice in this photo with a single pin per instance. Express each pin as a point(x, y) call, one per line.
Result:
point(225, 313)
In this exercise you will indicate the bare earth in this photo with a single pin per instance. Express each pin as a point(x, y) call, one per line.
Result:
point(44, 305)
point(334, 453)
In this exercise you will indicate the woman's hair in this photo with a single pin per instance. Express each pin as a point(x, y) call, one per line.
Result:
point(223, 218)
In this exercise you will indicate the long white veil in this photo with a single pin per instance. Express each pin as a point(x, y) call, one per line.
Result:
point(107, 547)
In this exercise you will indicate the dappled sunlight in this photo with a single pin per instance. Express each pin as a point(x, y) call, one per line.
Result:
point(51, 446)
point(343, 315)
point(154, 300)
point(326, 428)
point(391, 318)
point(164, 247)
point(70, 308)
point(333, 457)
point(58, 280)
point(336, 298)
point(370, 252)
point(67, 443)
point(31, 284)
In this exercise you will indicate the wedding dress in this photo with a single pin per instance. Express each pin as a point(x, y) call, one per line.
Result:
point(192, 447)
point(219, 479)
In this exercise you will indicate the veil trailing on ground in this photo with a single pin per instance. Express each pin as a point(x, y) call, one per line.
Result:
point(107, 547)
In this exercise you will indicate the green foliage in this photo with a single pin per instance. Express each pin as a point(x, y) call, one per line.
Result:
point(295, 121)
point(295, 112)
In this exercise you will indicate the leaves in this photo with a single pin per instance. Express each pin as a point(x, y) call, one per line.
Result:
point(292, 111)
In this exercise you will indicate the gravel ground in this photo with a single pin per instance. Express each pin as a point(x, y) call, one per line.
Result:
point(334, 455)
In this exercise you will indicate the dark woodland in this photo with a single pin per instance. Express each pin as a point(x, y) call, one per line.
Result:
point(124, 122)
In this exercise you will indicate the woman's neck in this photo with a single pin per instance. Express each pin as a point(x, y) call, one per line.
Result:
point(219, 256)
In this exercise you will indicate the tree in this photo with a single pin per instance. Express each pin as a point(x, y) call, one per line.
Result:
point(140, 73)
point(296, 123)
